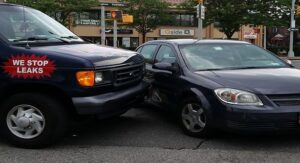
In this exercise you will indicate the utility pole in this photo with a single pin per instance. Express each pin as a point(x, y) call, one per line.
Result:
point(265, 37)
point(115, 33)
point(200, 16)
point(293, 25)
point(103, 25)
point(116, 15)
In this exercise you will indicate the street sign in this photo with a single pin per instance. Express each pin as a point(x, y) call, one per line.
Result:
point(200, 11)
point(293, 29)
point(202, 16)
point(293, 24)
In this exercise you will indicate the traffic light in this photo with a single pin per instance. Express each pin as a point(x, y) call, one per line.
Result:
point(298, 10)
point(116, 15)
point(127, 19)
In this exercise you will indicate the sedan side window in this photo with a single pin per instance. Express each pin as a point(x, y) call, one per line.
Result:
point(165, 54)
point(148, 51)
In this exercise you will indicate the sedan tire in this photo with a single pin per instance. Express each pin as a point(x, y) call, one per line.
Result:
point(194, 119)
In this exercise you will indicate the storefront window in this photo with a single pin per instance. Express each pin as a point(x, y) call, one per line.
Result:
point(124, 42)
point(181, 20)
point(134, 42)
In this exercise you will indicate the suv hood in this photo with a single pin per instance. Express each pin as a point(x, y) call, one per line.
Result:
point(264, 81)
point(98, 55)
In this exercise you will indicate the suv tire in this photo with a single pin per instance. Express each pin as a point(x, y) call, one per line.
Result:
point(32, 120)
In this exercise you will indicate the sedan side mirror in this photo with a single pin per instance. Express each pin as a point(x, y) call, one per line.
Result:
point(165, 66)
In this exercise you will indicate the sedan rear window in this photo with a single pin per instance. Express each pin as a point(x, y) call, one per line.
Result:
point(228, 56)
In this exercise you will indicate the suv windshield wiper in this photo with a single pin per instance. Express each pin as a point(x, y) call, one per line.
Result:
point(70, 37)
point(40, 39)
point(63, 38)
point(31, 39)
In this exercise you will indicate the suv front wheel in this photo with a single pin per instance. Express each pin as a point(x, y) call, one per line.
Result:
point(32, 120)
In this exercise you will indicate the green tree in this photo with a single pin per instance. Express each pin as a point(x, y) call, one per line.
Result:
point(148, 14)
point(60, 9)
point(229, 15)
point(270, 12)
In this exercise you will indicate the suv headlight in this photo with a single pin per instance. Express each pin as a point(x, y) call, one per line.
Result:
point(238, 97)
point(98, 77)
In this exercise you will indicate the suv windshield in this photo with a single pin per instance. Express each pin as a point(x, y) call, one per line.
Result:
point(228, 56)
point(18, 24)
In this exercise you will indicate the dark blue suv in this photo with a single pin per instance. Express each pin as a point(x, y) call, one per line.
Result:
point(49, 75)
point(222, 84)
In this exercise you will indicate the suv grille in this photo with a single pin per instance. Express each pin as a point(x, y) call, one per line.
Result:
point(127, 75)
point(285, 100)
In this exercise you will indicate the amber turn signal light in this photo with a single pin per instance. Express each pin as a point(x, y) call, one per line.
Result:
point(86, 78)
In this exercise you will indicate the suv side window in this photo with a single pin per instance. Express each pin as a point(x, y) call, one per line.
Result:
point(148, 51)
point(165, 54)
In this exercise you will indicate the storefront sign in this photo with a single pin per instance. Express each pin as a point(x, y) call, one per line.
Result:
point(120, 31)
point(250, 35)
point(88, 22)
point(113, 4)
point(177, 32)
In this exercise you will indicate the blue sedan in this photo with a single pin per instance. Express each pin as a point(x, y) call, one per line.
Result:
point(214, 84)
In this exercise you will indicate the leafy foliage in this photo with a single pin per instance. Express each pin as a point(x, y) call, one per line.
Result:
point(230, 15)
point(148, 14)
point(60, 9)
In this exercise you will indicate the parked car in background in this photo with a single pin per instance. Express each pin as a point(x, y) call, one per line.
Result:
point(222, 84)
point(49, 75)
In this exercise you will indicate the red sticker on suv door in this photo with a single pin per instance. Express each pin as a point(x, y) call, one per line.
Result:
point(29, 66)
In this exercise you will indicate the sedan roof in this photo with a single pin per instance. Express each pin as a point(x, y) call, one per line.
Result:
point(191, 41)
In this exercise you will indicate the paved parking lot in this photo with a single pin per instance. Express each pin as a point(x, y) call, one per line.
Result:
point(150, 135)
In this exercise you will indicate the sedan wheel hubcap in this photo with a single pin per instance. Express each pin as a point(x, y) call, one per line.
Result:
point(193, 117)
point(25, 121)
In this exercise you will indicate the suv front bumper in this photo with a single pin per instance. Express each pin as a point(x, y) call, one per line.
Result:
point(112, 102)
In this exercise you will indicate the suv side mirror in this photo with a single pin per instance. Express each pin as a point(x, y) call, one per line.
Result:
point(166, 67)
point(289, 62)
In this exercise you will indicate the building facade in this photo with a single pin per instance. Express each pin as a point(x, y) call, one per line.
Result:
point(88, 25)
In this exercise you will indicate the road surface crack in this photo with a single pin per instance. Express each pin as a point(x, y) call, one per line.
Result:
point(199, 145)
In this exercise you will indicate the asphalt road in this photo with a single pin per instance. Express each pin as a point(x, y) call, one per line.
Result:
point(150, 135)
